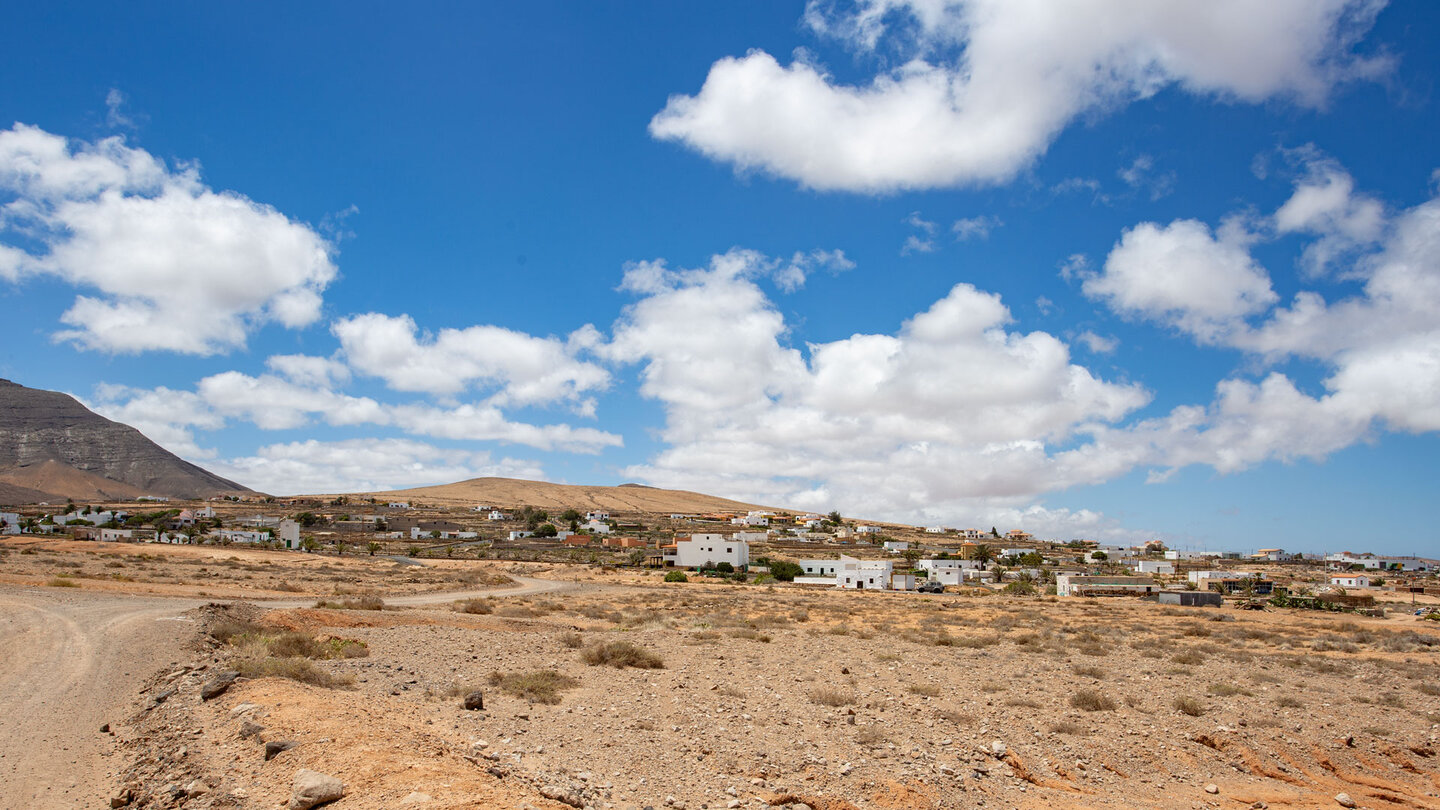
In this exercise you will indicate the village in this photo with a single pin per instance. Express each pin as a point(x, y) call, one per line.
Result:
point(806, 549)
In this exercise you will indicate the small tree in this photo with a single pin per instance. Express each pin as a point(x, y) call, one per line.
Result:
point(547, 530)
point(725, 568)
point(912, 556)
point(785, 571)
point(676, 576)
point(372, 547)
point(982, 554)
point(834, 518)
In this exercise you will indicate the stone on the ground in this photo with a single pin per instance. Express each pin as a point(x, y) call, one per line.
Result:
point(216, 686)
point(312, 789)
point(276, 747)
point(1344, 800)
point(475, 701)
point(1212, 788)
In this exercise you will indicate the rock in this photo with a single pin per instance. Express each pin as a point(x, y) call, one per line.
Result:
point(474, 701)
point(216, 686)
point(415, 797)
point(249, 729)
point(1344, 800)
point(277, 747)
point(733, 803)
point(197, 788)
point(164, 696)
point(313, 788)
point(1212, 788)
point(123, 798)
point(105, 729)
point(999, 749)
point(560, 794)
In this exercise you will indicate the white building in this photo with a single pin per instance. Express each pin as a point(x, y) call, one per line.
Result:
point(1351, 580)
point(597, 515)
point(116, 535)
point(1155, 567)
point(205, 513)
point(288, 533)
point(520, 535)
point(595, 527)
point(850, 573)
point(707, 551)
point(751, 537)
point(934, 529)
point(9, 522)
point(1081, 585)
point(496, 514)
point(1370, 562)
point(399, 504)
point(897, 546)
point(752, 519)
point(239, 536)
point(867, 529)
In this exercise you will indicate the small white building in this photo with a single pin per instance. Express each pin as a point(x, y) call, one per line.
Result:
point(1155, 567)
point(1354, 579)
point(172, 538)
point(595, 527)
point(496, 514)
point(1014, 552)
point(205, 513)
point(9, 522)
point(934, 529)
point(398, 504)
point(1082, 585)
point(707, 551)
point(1370, 562)
point(867, 530)
point(288, 533)
point(520, 535)
point(751, 537)
point(597, 515)
point(116, 535)
point(897, 546)
point(239, 536)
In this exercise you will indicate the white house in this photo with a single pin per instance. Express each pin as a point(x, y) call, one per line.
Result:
point(1014, 552)
point(9, 522)
point(1155, 567)
point(116, 535)
point(752, 519)
point(519, 535)
point(971, 534)
point(751, 537)
point(949, 572)
point(1081, 585)
point(172, 538)
point(1351, 580)
point(496, 514)
point(288, 533)
point(205, 513)
point(867, 529)
point(399, 504)
point(934, 529)
point(1370, 562)
point(706, 551)
point(595, 527)
point(239, 536)
point(597, 515)
point(897, 546)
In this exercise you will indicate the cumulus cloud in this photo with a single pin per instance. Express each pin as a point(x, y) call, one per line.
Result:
point(1183, 276)
point(1098, 344)
point(523, 369)
point(950, 409)
point(1380, 348)
point(983, 86)
point(975, 227)
point(172, 265)
point(364, 465)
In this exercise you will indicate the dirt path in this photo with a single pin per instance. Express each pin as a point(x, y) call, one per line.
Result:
point(73, 661)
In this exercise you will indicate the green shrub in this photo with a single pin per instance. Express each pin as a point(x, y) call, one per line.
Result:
point(725, 568)
point(785, 571)
point(676, 576)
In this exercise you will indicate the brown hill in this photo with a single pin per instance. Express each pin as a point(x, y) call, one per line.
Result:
point(52, 448)
point(510, 492)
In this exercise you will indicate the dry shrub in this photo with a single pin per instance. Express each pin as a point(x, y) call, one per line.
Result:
point(1287, 702)
point(1090, 672)
point(62, 582)
point(1026, 703)
point(541, 686)
point(1189, 705)
point(1092, 701)
point(753, 635)
point(1229, 690)
point(1191, 657)
point(831, 697)
point(1069, 727)
point(571, 640)
point(872, 736)
point(296, 669)
point(621, 654)
point(924, 689)
point(359, 603)
point(478, 607)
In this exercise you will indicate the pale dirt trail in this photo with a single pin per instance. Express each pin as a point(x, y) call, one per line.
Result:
point(72, 661)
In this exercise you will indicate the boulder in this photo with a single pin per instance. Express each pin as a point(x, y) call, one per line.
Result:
point(312, 789)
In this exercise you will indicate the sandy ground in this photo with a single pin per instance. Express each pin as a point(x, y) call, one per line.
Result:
point(766, 696)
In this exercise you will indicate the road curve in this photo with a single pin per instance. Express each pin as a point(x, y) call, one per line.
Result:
point(72, 662)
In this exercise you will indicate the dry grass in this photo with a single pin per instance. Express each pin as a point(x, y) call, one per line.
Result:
point(1069, 727)
point(296, 669)
point(924, 689)
point(475, 606)
point(1092, 701)
point(1189, 705)
point(831, 697)
point(621, 654)
point(540, 686)
point(359, 603)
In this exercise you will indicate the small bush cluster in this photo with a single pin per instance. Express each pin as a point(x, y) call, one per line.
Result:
point(475, 606)
point(676, 576)
point(541, 686)
point(1189, 705)
point(1092, 701)
point(359, 603)
point(621, 654)
point(832, 697)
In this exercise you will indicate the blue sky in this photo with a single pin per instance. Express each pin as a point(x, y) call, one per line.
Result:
point(1117, 271)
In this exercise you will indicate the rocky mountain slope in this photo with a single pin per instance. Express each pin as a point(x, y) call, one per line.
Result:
point(52, 445)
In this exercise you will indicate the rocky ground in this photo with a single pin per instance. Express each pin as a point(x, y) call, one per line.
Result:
point(780, 696)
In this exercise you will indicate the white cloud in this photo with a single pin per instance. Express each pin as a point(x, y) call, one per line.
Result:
point(361, 465)
point(115, 115)
point(1325, 204)
point(524, 369)
point(975, 227)
point(310, 371)
point(921, 242)
point(984, 86)
point(1141, 175)
point(1098, 344)
point(1182, 276)
point(176, 266)
point(950, 410)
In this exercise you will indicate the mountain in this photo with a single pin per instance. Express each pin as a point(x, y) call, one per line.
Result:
point(53, 448)
point(510, 492)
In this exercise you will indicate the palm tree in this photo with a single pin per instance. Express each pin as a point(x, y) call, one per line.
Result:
point(373, 547)
point(982, 554)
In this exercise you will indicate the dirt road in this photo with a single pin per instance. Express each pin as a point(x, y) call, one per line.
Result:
point(72, 661)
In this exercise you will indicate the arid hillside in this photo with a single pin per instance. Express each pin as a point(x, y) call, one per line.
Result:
point(507, 492)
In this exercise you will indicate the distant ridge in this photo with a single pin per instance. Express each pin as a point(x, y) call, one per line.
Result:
point(53, 448)
point(512, 492)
